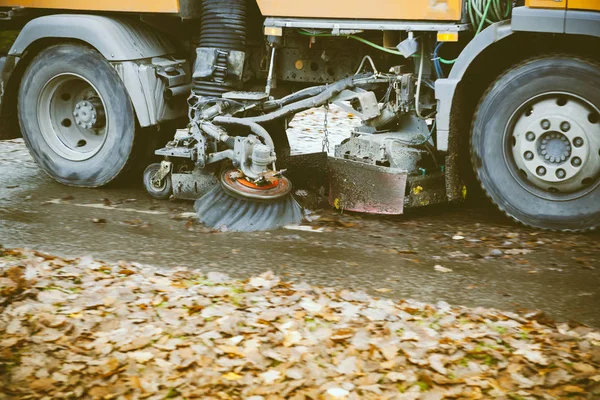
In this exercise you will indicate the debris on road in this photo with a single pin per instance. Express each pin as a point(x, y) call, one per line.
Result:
point(75, 328)
point(439, 268)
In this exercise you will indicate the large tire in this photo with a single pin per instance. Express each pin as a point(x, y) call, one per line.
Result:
point(88, 146)
point(535, 143)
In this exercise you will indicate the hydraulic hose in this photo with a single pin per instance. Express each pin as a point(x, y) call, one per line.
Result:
point(311, 102)
point(296, 96)
point(254, 127)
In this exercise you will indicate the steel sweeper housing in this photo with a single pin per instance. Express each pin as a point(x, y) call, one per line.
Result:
point(452, 94)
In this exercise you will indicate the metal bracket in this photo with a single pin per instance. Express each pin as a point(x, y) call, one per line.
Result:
point(162, 173)
point(369, 107)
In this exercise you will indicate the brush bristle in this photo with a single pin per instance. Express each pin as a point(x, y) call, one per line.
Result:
point(219, 210)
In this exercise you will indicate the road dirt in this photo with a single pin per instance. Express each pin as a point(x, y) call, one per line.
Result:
point(466, 255)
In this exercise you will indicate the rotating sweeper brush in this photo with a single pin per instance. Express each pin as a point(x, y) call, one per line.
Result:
point(237, 204)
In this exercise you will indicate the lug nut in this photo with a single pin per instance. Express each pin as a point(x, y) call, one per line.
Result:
point(528, 155)
point(576, 161)
point(541, 171)
point(545, 124)
point(530, 136)
point(565, 126)
point(578, 142)
point(560, 173)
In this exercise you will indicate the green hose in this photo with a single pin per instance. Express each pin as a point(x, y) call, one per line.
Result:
point(482, 12)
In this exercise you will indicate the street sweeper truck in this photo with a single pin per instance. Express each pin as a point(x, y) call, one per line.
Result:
point(452, 94)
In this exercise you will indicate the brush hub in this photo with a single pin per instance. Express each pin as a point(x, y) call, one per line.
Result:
point(239, 187)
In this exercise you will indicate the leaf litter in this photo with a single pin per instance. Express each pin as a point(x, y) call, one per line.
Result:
point(81, 328)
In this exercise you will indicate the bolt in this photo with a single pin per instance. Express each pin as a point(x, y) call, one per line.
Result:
point(528, 155)
point(78, 106)
point(543, 147)
point(576, 161)
point(547, 156)
point(560, 173)
point(578, 142)
point(563, 158)
point(530, 136)
point(544, 152)
point(565, 126)
point(541, 171)
point(544, 141)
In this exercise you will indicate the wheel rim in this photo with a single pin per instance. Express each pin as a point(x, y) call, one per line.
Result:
point(72, 118)
point(552, 146)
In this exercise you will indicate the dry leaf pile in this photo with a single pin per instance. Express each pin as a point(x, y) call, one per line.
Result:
point(87, 329)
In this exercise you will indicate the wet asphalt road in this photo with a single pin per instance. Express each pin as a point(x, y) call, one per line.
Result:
point(496, 264)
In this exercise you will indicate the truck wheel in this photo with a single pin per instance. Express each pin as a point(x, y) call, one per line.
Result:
point(535, 143)
point(76, 116)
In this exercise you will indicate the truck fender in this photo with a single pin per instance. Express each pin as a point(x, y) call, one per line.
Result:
point(117, 39)
point(445, 88)
point(138, 53)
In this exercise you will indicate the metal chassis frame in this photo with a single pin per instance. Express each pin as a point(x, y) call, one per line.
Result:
point(346, 26)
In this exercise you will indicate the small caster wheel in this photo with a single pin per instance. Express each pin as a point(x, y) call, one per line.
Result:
point(160, 190)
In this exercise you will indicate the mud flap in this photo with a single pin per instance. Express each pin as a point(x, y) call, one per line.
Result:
point(367, 188)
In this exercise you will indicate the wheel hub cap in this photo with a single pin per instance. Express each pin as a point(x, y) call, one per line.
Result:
point(555, 148)
point(556, 144)
point(89, 114)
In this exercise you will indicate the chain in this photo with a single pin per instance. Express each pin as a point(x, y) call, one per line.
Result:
point(325, 146)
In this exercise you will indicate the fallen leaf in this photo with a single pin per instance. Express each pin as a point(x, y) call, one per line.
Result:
point(232, 376)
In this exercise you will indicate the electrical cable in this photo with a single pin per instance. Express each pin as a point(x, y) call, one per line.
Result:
point(358, 38)
point(420, 76)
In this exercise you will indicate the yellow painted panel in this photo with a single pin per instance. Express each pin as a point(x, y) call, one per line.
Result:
point(584, 5)
point(546, 3)
point(154, 6)
point(435, 10)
